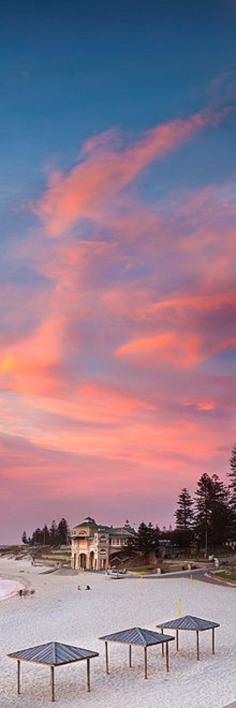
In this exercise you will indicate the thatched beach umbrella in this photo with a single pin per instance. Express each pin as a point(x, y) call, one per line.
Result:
point(192, 624)
point(53, 654)
point(138, 637)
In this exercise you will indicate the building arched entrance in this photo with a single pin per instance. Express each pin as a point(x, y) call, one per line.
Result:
point(103, 559)
point(83, 561)
point(92, 560)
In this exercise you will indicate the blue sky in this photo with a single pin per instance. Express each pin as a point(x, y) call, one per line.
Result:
point(70, 70)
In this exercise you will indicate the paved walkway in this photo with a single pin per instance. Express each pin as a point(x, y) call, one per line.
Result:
point(197, 574)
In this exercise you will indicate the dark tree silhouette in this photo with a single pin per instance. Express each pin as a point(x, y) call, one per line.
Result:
point(45, 535)
point(146, 540)
point(56, 536)
point(184, 513)
point(232, 478)
point(213, 516)
point(37, 537)
point(24, 537)
point(53, 533)
point(62, 532)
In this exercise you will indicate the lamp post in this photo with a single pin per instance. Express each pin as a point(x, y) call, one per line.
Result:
point(206, 538)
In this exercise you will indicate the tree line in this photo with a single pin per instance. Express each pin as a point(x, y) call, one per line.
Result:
point(56, 535)
point(204, 521)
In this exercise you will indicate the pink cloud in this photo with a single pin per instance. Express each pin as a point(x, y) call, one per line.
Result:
point(201, 405)
point(140, 437)
point(106, 358)
point(93, 403)
point(166, 347)
point(30, 364)
point(201, 303)
point(107, 170)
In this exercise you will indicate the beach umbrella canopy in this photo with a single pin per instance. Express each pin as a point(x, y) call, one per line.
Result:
point(53, 654)
point(191, 623)
point(137, 636)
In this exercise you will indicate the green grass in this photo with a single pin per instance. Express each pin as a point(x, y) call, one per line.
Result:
point(228, 575)
point(61, 554)
point(54, 554)
point(143, 569)
point(58, 557)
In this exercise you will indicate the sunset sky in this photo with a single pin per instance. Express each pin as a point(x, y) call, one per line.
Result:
point(118, 256)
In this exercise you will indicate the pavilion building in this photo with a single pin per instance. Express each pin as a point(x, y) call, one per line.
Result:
point(94, 546)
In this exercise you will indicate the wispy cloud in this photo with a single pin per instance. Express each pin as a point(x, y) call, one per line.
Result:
point(107, 169)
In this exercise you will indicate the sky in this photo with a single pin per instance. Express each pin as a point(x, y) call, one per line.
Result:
point(117, 269)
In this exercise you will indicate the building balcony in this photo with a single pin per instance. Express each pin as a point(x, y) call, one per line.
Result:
point(81, 537)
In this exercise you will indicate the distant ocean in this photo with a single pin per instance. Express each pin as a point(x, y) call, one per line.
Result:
point(8, 588)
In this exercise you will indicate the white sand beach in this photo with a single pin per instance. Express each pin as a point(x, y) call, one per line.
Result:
point(59, 612)
point(8, 588)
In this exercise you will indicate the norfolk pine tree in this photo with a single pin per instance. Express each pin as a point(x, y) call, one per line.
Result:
point(232, 477)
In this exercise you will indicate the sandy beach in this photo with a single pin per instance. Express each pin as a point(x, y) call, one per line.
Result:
point(59, 612)
point(8, 588)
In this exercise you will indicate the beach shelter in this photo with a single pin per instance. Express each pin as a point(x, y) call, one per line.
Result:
point(53, 654)
point(138, 637)
point(192, 624)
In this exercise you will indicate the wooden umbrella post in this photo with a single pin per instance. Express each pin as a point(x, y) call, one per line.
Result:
point(177, 640)
point(167, 657)
point(198, 653)
point(88, 675)
point(107, 662)
point(52, 684)
point(18, 677)
point(213, 640)
point(130, 656)
point(145, 662)
point(162, 646)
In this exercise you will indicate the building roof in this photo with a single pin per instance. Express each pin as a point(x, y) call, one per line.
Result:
point(189, 622)
point(125, 530)
point(53, 654)
point(117, 531)
point(88, 521)
point(138, 636)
